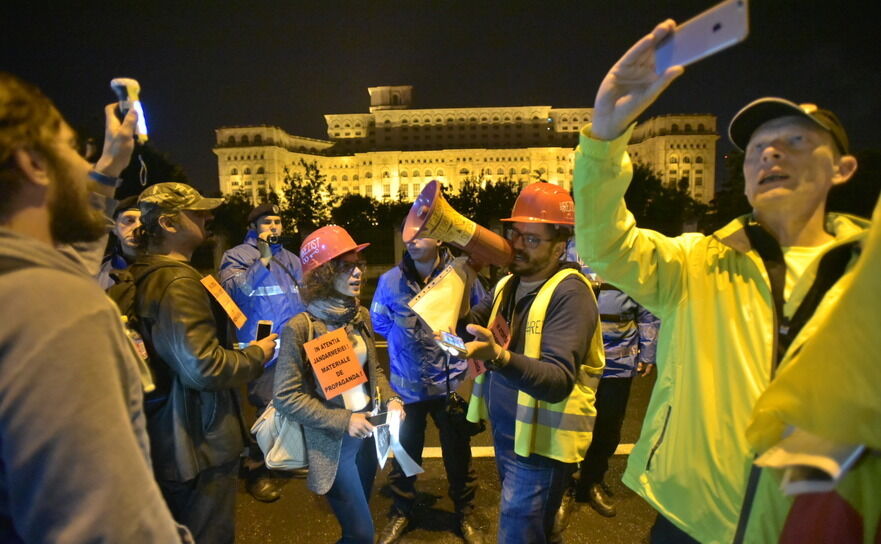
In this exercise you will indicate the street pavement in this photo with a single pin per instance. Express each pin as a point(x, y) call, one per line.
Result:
point(303, 517)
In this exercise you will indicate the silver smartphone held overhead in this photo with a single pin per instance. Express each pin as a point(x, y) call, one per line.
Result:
point(718, 28)
point(127, 91)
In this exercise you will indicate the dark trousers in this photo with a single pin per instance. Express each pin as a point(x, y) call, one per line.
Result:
point(611, 404)
point(664, 532)
point(350, 492)
point(456, 450)
point(206, 504)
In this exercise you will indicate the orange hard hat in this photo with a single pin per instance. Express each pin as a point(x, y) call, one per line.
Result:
point(543, 203)
point(325, 244)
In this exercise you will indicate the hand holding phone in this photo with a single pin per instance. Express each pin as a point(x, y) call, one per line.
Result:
point(452, 344)
point(718, 28)
point(127, 91)
point(264, 329)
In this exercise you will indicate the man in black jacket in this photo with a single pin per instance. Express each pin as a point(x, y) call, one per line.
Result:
point(194, 421)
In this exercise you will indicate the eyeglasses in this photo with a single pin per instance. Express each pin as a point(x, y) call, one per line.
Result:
point(529, 240)
point(347, 267)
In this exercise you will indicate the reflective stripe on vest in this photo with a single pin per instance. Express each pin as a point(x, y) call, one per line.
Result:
point(560, 430)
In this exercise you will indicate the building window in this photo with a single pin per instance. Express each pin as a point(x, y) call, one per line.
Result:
point(258, 139)
point(699, 160)
point(260, 170)
point(386, 190)
point(231, 140)
point(674, 160)
point(234, 172)
point(700, 127)
point(247, 171)
point(686, 160)
point(687, 127)
point(674, 128)
point(368, 175)
point(403, 174)
point(440, 173)
point(698, 181)
point(245, 139)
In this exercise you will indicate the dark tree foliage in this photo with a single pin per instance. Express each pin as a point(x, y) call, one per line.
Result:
point(730, 200)
point(151, 166)
point(355, 213)
point(658, 207)
point(485, 202)
point(308, 199)
point(231, 219)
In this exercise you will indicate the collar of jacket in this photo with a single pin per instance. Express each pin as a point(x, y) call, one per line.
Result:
point(844, 227)
point(408, 266)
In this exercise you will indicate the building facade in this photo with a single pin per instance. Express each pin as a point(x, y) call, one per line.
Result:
point(394, 150)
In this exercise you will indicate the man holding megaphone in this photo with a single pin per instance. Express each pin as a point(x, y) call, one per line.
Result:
point(539, 339)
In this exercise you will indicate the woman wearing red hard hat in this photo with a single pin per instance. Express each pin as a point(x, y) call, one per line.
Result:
point(339, 444)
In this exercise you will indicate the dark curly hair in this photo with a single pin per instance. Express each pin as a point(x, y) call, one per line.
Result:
point(318, 283)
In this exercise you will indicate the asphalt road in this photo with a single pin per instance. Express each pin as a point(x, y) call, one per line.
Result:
point(303, 517)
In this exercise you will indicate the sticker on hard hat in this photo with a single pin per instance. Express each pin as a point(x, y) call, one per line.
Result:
point(310, 250)
point(567, 207)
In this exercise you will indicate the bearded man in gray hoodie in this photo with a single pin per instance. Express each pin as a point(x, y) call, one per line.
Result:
point(74, 453)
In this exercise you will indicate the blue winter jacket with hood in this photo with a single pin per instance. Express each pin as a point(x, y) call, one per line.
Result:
point(262, 293)
point(416, 361)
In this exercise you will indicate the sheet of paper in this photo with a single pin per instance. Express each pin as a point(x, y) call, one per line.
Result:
point(226, 302)
point(386, 438)
point(438, 304)
point(334, 362)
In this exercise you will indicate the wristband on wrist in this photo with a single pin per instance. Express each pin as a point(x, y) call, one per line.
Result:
point(394, 399)
point(499, 360)
point(104, 179)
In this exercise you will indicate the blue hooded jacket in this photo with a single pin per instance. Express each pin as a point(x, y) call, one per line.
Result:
point(416, 361)
point(270, 293)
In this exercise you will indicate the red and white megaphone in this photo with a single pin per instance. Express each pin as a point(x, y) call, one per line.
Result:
point(432, 217)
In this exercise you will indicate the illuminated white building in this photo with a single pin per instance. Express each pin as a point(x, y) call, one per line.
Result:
point(395, 150)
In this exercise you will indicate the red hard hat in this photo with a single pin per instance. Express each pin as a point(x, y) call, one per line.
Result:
point(325, 244)
point(543, 203)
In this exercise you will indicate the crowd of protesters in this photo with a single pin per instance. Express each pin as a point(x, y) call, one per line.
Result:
point(123, 422)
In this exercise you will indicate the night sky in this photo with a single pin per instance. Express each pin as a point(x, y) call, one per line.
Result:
point(288, 63)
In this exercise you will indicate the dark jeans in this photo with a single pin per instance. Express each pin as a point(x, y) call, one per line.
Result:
point(664, 532)
point(532, 490)
point(611, 404)
point(350, 492)
point(456, 450)
point(206, 504)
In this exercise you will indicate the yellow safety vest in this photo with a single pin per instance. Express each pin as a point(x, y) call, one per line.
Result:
point(560, 430)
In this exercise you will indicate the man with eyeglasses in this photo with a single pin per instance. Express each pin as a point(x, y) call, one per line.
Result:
point(539, 338)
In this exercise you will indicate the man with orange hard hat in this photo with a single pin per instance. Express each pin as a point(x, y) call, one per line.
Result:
point(539, 338)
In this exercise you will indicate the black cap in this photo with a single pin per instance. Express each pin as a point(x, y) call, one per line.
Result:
point(127, 203)
point(760, 111)
point(267, 208)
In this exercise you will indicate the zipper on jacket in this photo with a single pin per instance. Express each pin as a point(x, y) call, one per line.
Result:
point(648, 464)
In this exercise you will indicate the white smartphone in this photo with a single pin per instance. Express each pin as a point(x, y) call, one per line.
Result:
point(264, 329)
point(718, 28)
point(127, 91)
point(452, 343)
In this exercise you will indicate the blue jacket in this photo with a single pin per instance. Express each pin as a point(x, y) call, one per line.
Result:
point(262, 293)
point(630, 332)
point(417, 362)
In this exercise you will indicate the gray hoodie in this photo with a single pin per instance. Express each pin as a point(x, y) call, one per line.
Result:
point(74, 454)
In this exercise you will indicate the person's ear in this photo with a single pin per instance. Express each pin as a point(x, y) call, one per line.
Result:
point(32, 165)
point(168, 223)
point(845, 168)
